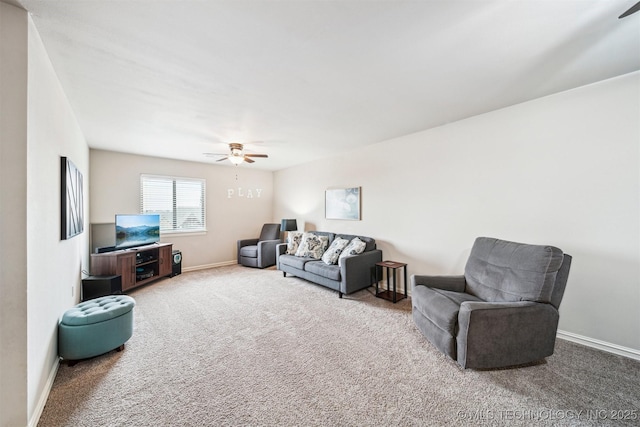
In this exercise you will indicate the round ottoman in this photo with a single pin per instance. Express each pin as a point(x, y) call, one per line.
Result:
point(95, 327)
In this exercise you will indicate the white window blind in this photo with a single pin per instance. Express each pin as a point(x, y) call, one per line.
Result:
point(180, 202)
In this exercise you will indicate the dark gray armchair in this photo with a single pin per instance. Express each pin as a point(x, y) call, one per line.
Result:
point(502, 312)
point(260, 252)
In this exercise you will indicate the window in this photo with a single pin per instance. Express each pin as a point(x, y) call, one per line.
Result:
point(180, 202)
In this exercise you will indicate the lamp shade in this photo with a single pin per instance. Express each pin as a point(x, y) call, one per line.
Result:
point(289, 225)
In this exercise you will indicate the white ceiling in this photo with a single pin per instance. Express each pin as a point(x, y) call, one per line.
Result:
point(316, 78)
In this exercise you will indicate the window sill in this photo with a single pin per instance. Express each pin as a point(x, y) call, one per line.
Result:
point(177, 233)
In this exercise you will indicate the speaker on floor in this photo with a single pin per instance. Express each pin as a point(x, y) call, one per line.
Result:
point(176, 264)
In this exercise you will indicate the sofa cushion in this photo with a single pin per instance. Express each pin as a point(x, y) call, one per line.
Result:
point(331, 272)
point(355, 247)
point(293, 241)
point(249, 251)
point(294, 261)
point(503, 271)
point(312, 245)
point(331, 255)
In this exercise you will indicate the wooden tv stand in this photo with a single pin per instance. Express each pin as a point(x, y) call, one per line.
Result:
point(137, 266)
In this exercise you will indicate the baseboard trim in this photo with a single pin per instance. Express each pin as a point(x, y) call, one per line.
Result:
point(35, 417)
point(600, 345)
point(208, 266)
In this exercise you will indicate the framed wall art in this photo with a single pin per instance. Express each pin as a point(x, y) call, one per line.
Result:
point(342, 203)
point(71, 200)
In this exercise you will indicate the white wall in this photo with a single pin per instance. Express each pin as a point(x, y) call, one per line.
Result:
point(561, 170)
point(40, 273)
point(13, 217)
point(115, 189)
point(54, 265)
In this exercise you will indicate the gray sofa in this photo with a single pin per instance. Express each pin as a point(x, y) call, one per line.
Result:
point(502, 312)
point(357, 272)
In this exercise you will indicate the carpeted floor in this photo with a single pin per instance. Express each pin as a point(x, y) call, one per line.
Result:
point(242, 346)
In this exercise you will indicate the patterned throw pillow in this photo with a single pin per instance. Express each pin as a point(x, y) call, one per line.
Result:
point(334, 251)
point(293, 241)
point(355, 247)
point(312, 246)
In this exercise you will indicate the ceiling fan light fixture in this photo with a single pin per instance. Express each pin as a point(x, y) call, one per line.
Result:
point(236, 155)
point(236, 159)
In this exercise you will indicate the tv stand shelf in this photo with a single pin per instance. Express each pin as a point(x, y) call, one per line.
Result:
point(137, 266)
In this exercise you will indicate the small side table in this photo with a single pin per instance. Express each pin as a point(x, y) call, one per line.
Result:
point(392, 269)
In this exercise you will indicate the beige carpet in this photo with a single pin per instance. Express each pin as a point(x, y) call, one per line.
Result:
point(242, 346)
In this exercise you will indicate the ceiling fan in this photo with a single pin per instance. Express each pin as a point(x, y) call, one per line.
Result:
point(632, 9)
point(236, 155)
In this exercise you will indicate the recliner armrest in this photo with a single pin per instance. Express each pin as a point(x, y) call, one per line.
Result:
point(489, 305)
point(267, 252)
point(497, 334)
point(247, 242)
point(271, 242)
point(446, 283)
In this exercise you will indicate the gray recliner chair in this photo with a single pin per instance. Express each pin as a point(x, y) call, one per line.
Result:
point(260, 252)
point(502, 312)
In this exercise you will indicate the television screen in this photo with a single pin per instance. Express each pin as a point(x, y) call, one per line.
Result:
point(137, 230)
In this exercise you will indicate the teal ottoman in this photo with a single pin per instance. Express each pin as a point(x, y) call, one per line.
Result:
point(95, 327)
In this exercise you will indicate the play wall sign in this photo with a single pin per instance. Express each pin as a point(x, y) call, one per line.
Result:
point(249, 193)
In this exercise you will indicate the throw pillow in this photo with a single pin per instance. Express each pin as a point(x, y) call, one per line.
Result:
point(355, 247)
point(293, 241)
point(331, 255)
point(312, 246)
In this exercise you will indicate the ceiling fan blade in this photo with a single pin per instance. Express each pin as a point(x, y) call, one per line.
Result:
point(236, 154)
point(633, 9)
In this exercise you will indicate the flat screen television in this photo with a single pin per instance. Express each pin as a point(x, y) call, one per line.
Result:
point(137, 230)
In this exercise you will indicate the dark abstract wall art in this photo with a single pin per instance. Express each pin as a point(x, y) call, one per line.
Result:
point(71, 200)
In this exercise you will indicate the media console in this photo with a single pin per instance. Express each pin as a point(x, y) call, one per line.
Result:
point(137, 266)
